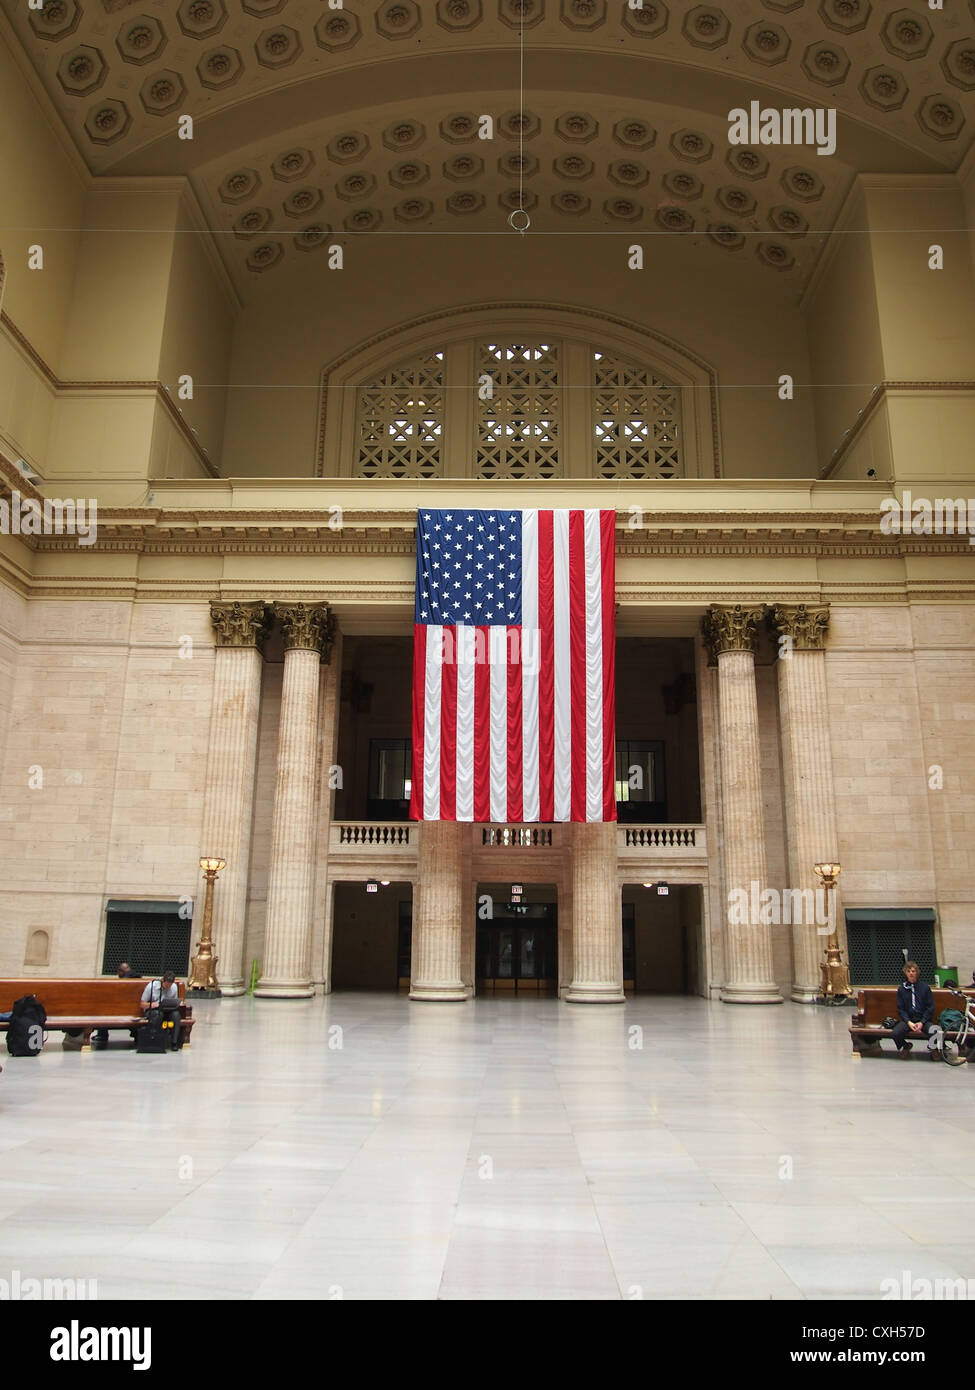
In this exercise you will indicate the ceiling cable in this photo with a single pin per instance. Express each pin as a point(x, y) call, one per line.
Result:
point(519, 219)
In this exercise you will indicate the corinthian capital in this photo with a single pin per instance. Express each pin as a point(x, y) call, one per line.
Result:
point(730, 628)
point(307, 627)
point(239, 624)
point(806, 626)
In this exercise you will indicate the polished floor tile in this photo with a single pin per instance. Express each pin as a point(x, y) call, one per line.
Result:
point(502, 1149)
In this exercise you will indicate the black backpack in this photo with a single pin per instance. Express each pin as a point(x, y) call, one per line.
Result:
point(150, 1037)
point(25, 1031)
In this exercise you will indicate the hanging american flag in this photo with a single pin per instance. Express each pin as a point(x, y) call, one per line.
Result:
point(514, 666)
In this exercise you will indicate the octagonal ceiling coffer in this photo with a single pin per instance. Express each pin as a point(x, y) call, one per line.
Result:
point(82, 71)
point(200, 19)
point(141, 39)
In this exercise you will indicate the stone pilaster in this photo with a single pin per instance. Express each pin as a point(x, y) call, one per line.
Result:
point(327, 781)
point(597, 928)
point(228, 798)
point(730, 634)
point(308, 631)
point(808, 778)
point(435, 967)
point(710, 763)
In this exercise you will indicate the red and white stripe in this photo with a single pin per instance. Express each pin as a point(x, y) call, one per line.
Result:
point(512, 739)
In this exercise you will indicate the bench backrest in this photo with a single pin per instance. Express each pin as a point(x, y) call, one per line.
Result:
point(878, 1003)
point(80, 998)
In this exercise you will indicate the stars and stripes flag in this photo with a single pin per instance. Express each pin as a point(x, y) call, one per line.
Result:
point(514, 666)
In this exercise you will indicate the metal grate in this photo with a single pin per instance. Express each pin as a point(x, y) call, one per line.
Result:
point(150, 942)
point(399, 425)
point(636, 421)
point(876, 951)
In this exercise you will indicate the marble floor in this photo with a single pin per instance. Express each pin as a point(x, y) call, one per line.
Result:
point(362, 1146)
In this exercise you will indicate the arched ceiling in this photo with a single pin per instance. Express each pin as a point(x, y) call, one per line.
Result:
point(598, 165)
point(312, 120)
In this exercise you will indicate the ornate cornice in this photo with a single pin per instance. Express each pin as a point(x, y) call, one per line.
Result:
point(294, 531)
point(240, 624)
point(399, 595)
point(307, 627)
point(730, 629)
point(806, 626)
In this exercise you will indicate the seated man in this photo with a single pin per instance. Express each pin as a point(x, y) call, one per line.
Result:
point(915, 1005)
point(164, 994)
point(125, 972)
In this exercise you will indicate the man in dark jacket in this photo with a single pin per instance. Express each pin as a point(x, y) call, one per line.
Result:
point(915, 1004)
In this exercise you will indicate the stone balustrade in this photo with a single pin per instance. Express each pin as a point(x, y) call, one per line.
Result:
point(679, 841)
point(386, 837)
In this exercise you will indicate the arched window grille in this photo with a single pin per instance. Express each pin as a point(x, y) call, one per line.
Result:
point(520, 411)
point(399, 421)
point(636, 420)
point(527, 407)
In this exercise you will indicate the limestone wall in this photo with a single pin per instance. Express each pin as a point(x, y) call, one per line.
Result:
point(902, 702)
point(106, 728)
point(102, 782)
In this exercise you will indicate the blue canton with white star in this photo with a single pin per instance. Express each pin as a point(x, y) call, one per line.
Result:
point(468, 567)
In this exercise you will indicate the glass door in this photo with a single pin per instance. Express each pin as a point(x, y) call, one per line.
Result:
point(518, 954)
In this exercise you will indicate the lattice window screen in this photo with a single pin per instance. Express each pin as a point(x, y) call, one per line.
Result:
point(150, 942)
point(636, 420)
point(399, 421)
point(519, 422)
point(877, 951)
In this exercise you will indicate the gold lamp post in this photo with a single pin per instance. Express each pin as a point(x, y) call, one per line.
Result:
point(835, 973)
point(203, 966)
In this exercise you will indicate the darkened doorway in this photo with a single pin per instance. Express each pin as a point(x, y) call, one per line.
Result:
point(368, 934)
point(517, 948)
point(663, 947)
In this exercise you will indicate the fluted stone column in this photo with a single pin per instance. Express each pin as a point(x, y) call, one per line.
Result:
point(228, 796)
point(323, 899)
point(435, 965)
point(597, 925)
point(730, 633)
point(308, 630)
point(807, 768)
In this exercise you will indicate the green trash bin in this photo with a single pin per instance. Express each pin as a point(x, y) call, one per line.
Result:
point(946, 975)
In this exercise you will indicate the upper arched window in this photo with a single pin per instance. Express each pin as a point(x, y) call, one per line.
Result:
point(517, 405)
point(399, 421)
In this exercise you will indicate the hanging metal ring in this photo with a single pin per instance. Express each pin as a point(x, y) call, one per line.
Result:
point(517, 226)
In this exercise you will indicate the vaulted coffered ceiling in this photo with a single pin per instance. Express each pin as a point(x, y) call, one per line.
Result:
point(312, 121)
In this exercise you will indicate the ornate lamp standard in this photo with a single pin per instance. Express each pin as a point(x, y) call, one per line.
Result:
point(204, 964)
point(836, 975)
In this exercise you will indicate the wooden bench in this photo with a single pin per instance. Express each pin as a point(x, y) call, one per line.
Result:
point(82, 1006)
point(880, 1002)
